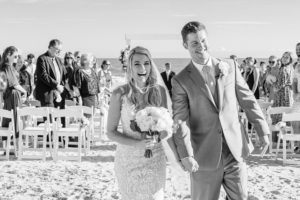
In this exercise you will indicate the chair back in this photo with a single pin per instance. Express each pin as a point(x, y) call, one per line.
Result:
point(291, 117)
point(279, 110)
point(30, 115)
point(70, 103)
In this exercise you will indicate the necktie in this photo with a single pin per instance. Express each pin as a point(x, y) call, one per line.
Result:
point(210, 80)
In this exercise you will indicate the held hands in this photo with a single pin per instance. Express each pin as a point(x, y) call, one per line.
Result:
point(190, 164)
point(60, 88)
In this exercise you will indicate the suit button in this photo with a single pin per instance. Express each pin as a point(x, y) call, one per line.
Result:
point(220, 131)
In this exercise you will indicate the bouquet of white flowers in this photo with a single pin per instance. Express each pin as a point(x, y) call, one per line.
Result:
point(152, 121)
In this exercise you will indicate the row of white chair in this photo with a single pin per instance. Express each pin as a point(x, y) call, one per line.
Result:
point(289, 114)
point(52, 133)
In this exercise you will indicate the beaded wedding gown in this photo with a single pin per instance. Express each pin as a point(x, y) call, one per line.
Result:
point(139, 178)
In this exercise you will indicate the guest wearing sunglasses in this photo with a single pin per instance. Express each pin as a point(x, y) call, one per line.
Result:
point(70, 67)
point(271, 77)
point(13, 91)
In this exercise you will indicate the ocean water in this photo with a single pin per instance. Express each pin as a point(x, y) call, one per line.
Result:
point(177, 64)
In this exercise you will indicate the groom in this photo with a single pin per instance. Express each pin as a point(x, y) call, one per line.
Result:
point(211, 142)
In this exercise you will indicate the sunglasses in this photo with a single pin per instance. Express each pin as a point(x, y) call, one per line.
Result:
point(78, 57)
point(271, 62)
point(69, 58)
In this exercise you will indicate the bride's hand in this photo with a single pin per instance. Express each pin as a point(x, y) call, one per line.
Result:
point(164, 134)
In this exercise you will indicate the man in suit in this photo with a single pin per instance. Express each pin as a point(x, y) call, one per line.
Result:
point(211, 143)
point(167, 77)
point(51, 75)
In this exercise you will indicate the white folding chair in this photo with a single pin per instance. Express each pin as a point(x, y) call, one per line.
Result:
point(273, 111)
point(288, 134)
point(264, 107)
point(100, 121)
point(90, 127)
point(29, 129)
point(65, 132)
point(8, 132)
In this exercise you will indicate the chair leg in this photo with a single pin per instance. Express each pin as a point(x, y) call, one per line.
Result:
point(44, 146)
point(7, 147)
point(20, 154)
point(284, 150)
point(278, 145)
point(80, 146)
point(271, 144)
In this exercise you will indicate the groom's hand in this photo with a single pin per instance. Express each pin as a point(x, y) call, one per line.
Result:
point(190, 164)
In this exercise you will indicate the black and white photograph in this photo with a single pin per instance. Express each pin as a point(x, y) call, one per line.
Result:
point(149, 100)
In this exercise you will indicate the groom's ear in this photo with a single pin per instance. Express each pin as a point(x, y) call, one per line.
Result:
point(185, 45)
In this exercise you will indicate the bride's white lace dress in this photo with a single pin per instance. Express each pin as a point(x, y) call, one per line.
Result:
point(139, 178)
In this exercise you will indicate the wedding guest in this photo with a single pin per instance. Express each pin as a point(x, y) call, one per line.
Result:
point(167, 76)
point(105, 75)
point(31, 65)
point(69, 66)
point(25, 80)
point(274, 66)
point(77, 57)
point(283, 85)
point(138, 177)
point(252, 77)
point(12, 94)
point(96, 66)
point(296, 95)
point(262, 78)
point(88, 82)
point(51, 77)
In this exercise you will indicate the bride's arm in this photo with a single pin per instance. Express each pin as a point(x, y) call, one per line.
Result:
point(114, 115)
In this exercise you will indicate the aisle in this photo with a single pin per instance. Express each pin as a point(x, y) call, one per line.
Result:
point(93, 179)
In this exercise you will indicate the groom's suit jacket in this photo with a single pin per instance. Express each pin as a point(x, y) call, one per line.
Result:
point(208, 120)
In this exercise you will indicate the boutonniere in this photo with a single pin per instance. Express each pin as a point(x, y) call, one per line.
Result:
point(223, 71)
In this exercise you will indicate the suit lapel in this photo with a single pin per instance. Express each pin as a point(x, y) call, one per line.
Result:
point(220, 81)
point(200, 83)
point(51, 64)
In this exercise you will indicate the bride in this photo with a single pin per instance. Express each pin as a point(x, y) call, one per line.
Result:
point(138, 177)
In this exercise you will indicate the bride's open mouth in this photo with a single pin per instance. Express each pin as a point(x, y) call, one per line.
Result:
point(142, 74)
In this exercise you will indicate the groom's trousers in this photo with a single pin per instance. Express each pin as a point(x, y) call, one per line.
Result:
point(232, 175)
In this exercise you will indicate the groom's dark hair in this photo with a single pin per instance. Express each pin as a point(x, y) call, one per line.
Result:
point(191, 27)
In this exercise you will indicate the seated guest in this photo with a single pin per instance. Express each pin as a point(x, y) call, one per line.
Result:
point(88, 82)
point(167, 77)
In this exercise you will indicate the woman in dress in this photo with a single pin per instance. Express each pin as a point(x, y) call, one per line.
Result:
point(252, 77)
point(105, 75)
point(69, 65)
point(283, 86)
point(138, 177)
point(87, 82)
point(12, 94)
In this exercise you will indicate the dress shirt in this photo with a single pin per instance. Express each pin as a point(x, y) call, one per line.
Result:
point(57, 71)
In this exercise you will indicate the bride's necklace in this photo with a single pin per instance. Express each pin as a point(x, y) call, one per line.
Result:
point(142, 90)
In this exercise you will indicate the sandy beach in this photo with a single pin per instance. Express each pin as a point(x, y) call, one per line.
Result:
point(93, 178)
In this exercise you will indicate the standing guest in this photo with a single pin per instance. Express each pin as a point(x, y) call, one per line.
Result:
point(69, 66)
point(77, 60)
point(296, 94)
point(13, 92)
point(262, 78)
point(77, 57)
point(252, 77)
point(210, 141)
point(167, 76)
point(88, 82)
point(96, 66)
point(105, 75)
point(283, 85)
point(271, 76)
point(51, 76)
point(25, 80)
point(31, 65)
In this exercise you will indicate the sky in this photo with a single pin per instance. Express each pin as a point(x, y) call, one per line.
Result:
point(256, 28)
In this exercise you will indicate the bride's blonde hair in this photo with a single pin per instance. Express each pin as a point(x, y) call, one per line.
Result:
point(152, 95)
